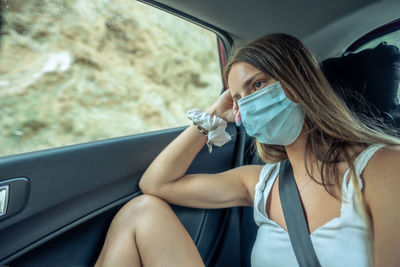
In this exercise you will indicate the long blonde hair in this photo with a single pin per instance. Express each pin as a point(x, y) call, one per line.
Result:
point(332, 127)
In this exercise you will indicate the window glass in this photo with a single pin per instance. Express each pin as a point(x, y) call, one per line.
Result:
point(74, 71)
point(392, 38)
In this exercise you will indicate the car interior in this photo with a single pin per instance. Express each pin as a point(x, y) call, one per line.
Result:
point(61, 201)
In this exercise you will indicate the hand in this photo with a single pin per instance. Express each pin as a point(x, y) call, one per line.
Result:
point(223, 107)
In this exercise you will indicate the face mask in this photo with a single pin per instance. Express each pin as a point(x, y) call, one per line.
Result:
point(271, 117)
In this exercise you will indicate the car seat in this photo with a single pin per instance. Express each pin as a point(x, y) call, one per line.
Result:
point(368, 81)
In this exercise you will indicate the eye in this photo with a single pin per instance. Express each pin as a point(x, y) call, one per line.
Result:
point(259, 85)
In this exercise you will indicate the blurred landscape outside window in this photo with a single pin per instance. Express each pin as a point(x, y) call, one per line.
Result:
point(392, 38)
point(75, 71)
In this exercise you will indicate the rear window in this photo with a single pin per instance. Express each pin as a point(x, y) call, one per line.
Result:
point(392, 38)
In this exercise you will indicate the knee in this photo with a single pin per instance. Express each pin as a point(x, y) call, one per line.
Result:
point(139, 208)
point(144, 204)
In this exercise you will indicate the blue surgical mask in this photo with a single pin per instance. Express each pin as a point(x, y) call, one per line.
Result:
point(271, 117)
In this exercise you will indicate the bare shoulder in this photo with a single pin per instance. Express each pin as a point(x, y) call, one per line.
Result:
point(381, 187)
point(250, 175)
point(386, 152)
point(384, 163)
point(382, 176)
point(250, 169)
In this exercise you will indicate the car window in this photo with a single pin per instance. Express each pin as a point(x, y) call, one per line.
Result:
point(392, 38)
point(78, 71)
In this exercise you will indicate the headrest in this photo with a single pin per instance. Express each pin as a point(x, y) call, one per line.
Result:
point(371, 75)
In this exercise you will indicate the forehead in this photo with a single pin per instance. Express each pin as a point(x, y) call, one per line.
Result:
point(241, 73)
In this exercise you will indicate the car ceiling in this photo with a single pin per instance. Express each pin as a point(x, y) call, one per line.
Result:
point(327, 27)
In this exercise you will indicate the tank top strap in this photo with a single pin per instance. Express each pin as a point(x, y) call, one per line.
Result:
point(265, 174)
point(262, 189)
point(364, 157)
point(359, 164)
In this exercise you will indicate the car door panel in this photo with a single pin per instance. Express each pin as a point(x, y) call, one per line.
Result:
point(73, 185)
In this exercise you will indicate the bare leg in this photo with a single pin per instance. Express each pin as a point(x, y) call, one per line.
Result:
point(146, 232)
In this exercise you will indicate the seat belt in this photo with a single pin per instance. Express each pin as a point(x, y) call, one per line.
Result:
point(294, 218)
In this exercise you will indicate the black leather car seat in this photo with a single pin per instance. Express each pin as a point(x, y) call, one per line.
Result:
point(368, 81)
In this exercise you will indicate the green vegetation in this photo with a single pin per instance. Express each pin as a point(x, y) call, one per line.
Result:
point(75, 71)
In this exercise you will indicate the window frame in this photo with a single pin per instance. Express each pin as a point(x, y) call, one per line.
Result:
point(224, 40)
point(374, 34)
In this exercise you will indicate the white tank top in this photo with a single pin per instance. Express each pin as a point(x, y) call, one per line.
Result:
point(346, 240)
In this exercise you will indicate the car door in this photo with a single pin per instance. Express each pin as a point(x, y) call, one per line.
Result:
point(84, 112)
point(70, 195)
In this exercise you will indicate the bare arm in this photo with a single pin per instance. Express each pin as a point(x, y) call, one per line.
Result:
point(382, 185)
point(165, 177)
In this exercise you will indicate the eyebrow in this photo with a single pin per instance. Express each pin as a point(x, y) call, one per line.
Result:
point(246, 84)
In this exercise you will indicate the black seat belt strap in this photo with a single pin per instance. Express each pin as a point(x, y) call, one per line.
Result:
point(294, 217)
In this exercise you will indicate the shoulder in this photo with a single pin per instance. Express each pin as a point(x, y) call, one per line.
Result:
point(382, 177)
point(382, 184)
point(249, 175)
point(255, 174)
point(386, 152)
point(384, 164)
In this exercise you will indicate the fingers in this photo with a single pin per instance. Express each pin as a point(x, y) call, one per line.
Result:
point(226, 95)
point(223, 106)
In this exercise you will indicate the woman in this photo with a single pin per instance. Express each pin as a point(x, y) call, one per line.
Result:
point(347, 172)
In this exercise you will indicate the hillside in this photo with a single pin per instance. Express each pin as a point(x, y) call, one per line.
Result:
point(75, 71)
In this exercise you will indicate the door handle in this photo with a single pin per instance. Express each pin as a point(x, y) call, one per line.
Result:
point(3, 199)
point(14, 194)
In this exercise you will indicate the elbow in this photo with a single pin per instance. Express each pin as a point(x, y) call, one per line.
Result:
point(146, 186)
point(153, 185)
point(143, 185)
